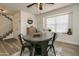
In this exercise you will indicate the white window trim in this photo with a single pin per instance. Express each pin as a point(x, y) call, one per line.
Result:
point(44, 19)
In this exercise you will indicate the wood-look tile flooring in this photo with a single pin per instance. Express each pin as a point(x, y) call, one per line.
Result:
point(11, 46)
point(68, 49)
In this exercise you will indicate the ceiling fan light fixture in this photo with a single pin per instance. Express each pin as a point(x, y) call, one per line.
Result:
point(41, 6)
point(38, 5)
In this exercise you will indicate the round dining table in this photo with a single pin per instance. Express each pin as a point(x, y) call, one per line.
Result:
point(42, 40)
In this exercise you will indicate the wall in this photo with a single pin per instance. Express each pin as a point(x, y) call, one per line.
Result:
point(16, 24)
point(73, 39)
point(24, 17)
point(39, 22)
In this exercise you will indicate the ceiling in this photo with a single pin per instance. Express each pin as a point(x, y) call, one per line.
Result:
point(12, 8)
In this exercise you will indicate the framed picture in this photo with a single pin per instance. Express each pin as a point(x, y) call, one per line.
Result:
point(29, 21)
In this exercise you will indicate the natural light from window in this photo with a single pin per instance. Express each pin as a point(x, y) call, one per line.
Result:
point(58, 23)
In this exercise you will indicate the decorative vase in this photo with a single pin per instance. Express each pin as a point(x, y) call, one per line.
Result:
point(49, 30)
point(69, 32)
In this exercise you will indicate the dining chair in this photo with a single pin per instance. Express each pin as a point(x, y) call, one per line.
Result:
point(24, 45)
point(51, 45)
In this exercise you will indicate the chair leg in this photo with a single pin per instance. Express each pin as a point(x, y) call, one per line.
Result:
point(30, 49)
point(54, 50)
point(22, 50)
point(48, 49)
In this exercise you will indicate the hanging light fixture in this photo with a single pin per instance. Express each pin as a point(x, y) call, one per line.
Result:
point(40, 6)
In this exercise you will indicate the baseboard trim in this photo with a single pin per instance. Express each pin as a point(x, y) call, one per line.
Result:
point(67, 43)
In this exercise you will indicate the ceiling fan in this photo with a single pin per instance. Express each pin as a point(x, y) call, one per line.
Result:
point(40, 5)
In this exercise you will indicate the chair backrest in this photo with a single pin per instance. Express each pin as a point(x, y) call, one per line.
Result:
point(54, 37)
point(20, 36)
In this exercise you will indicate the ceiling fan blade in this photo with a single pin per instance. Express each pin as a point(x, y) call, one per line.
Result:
point(50, 3)
point(30, 5)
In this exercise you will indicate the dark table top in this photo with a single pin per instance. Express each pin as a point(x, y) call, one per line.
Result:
point(45, 36)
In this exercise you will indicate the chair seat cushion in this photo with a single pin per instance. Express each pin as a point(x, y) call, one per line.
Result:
point(27, 44)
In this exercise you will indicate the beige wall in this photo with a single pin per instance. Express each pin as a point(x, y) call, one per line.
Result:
point(16, 24)
point(73, 39)
point(39, 19)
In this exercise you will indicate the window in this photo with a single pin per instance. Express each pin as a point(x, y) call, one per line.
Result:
point(58, 23)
